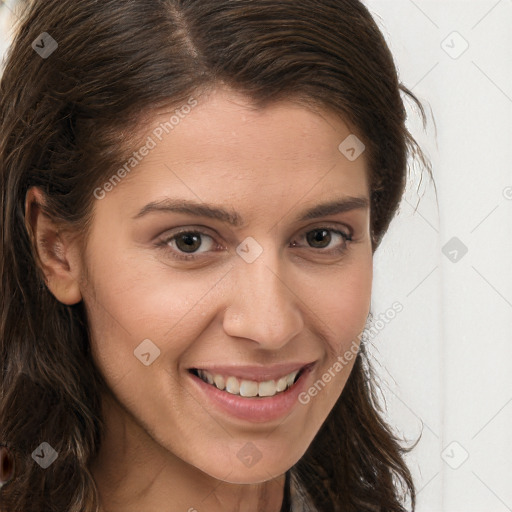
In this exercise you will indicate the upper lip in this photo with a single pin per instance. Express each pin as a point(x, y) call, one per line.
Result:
point(255, 373)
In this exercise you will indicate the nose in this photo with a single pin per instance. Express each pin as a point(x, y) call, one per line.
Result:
point(264, 306)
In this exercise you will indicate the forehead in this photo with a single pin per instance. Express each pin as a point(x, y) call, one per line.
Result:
point(224, 148)
point(225, 124)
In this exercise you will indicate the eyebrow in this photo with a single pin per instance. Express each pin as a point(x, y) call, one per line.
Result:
point(233, 218)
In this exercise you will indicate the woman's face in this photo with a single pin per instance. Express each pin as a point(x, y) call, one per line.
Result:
point(246, 304)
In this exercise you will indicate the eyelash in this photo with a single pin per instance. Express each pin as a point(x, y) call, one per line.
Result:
point(164, 243)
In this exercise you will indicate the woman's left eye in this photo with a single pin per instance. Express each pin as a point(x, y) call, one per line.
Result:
point(185, 244)
point(322, 235)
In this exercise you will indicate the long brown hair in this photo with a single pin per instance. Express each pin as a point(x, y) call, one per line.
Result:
point(67, 121)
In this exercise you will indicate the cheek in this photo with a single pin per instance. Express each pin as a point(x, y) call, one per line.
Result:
point(345, 308)
point(128, 302)
point(347, 304)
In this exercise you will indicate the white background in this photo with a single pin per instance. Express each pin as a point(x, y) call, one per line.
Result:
point(444, 361)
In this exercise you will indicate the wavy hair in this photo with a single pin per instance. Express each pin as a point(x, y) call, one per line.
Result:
point(67, 121)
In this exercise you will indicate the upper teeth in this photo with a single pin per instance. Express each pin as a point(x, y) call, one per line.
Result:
point(248, 388)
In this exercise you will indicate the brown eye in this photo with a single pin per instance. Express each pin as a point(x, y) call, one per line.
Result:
point(188, 245)
point(319, 238)
point(188, 242)
point(326, 240)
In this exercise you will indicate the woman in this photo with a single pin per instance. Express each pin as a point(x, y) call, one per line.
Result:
point(192, 194)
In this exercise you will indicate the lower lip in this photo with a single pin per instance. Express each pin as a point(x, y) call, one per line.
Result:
point(256, 410)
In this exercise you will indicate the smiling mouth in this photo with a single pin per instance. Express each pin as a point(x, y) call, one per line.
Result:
point(248, 388)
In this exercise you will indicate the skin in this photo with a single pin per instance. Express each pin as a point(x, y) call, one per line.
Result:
point(163, 445)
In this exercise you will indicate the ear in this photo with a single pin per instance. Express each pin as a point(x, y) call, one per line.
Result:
point(55, 252)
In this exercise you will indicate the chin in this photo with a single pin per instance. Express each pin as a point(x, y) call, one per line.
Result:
point(262, 468)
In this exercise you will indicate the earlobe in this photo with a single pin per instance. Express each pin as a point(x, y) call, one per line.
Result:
point(53, 250)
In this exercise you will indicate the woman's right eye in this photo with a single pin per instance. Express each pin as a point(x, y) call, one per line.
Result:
point(185, 244)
